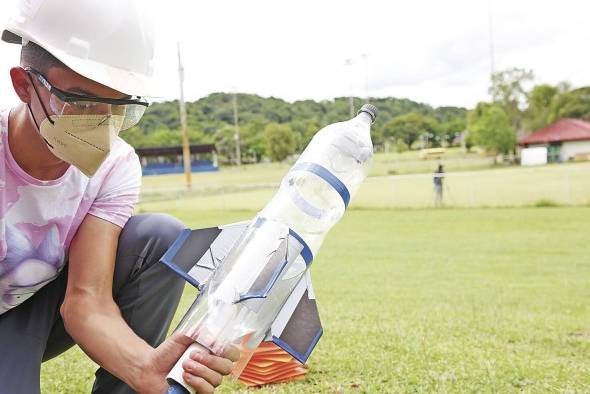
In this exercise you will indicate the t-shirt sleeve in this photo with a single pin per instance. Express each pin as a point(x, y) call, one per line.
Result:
point(119, 192)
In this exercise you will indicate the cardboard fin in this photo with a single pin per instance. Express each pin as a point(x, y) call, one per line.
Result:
point(196, 254)
point(298, 328)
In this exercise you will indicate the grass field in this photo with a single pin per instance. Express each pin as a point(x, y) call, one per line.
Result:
point(449, 300)
point(383, 164)
point(250, 187)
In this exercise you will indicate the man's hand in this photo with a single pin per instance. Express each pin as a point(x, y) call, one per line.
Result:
point(94, 321)
point(204, 372)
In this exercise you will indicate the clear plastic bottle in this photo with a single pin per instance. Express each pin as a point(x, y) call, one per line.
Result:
point(244, 296)
point(315, 192)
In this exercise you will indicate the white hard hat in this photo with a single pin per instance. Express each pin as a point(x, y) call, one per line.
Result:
point(108, 41)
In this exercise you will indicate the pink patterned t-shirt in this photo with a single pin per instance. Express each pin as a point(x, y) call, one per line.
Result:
point(38, 219)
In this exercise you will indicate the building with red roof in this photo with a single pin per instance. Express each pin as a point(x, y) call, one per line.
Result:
point(566, 139)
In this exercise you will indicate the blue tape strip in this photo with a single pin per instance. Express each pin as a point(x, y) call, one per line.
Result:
point(168, 258)
point(327, 176)
point(263, 293)
point(178, 271)
point(302, 358)
point(259, 221)
point(176, 388)
point(305, 254)
point(306, 251)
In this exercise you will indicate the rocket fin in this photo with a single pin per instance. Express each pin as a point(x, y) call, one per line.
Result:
point(196, 254)
point(297, 328)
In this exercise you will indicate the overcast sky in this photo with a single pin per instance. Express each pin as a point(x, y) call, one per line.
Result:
point(437, 52)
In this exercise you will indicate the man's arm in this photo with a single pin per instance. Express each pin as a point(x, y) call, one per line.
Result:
point(94, 320)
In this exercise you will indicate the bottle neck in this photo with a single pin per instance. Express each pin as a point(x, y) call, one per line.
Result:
point(365, 117)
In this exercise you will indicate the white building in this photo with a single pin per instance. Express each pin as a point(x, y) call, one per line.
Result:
point(567, 139)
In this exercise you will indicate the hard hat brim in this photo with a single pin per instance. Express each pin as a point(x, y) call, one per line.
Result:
point(124, 81)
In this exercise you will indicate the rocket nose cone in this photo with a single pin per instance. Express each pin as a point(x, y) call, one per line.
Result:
point(369, 109)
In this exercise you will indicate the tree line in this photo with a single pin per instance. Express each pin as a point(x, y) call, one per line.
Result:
point(271, 128)
point(514, 110)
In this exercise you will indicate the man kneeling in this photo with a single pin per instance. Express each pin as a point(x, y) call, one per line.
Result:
point(75, 265)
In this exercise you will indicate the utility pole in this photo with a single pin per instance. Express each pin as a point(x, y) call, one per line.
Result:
point(464, 135)
point(491, 28)
point(186, 153)
point(237, 133)
point(348, 62)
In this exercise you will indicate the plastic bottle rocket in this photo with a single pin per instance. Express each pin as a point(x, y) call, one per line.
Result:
point(254, 281)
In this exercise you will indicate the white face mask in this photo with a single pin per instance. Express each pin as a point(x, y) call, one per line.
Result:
point(78, 140)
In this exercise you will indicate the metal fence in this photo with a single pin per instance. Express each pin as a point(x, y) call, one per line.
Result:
point(551, 185)
point(566, 184)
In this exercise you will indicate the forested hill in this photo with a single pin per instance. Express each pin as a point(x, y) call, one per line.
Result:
point(211, 119)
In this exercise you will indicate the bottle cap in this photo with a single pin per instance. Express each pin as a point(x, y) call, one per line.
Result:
point(371, 110)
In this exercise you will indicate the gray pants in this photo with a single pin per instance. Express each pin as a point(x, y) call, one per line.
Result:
point(146, 292)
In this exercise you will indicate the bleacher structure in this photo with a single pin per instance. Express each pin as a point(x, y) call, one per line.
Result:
point(168, 159)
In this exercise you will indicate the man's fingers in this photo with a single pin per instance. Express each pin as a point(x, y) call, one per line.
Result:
point(218, 364)
point(199, 370)
point(231, 352)
point(200, 385)
point(181, 339)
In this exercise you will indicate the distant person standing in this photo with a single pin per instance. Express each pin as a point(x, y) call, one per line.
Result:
point(437, 179)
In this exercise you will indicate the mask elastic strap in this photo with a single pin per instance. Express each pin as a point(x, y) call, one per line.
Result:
point(38, 128)
point(33, 117)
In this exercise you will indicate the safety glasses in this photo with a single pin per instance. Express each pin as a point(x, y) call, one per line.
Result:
point(129, 111)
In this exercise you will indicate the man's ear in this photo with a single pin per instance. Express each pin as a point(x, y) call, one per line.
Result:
point(21, 83)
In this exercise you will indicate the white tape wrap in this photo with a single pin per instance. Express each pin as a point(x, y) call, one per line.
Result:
point(176, 372)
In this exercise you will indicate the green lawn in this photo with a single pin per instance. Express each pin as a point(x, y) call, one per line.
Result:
point(383, 164)
point(451, 300)
point(249, 188)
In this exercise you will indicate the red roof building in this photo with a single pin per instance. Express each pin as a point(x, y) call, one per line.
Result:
point(561, 131)
point(564, 140)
